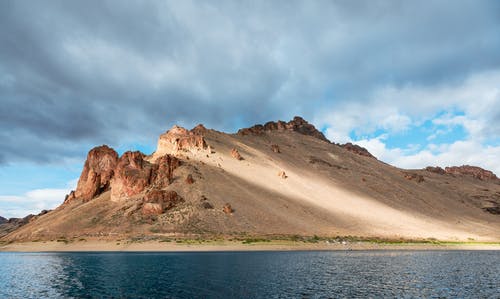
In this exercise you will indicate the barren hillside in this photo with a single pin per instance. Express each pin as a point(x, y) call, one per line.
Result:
point(274, 179)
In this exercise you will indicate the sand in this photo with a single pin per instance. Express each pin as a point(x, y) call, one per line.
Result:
point(211, 246)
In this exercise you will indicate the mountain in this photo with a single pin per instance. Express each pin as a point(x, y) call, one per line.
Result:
point(280, 178)
point(3, 220)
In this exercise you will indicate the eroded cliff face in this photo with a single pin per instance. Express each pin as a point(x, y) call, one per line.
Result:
point(126, 176)
point(297, 124)
point(97, 173)
point(474, 171)
point(465, 170)
point(179, 139)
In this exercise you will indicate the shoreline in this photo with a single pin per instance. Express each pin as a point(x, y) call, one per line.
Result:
point(228, 246)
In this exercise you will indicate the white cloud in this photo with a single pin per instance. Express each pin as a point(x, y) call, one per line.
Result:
point(33, 201)
point(457, 153)
point(473, 105)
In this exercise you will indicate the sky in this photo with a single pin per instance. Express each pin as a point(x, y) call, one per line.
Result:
point(416, 83)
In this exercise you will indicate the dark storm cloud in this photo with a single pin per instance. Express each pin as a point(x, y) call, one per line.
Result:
point(74, 73)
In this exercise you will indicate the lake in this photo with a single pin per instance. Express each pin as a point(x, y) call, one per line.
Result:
point(320, 274)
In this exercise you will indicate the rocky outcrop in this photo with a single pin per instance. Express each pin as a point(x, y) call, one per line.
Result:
point(96, 175)
point(189, 179)
point(163, 170)
point(235, 154)
point(359, 150)
point(473, 171)
point(435, 169)
point(414, 177)
point(227, 209)
point(298, 124)
point(132, 175)
point(3, 220)
point(465, 170)
point(157, 202)
point(179, 139)
point(125, 176)
point(275, 148)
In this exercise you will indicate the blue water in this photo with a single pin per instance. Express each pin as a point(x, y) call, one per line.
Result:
point(352, 274)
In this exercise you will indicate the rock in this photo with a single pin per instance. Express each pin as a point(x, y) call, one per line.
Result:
point(132, 175)
point(282, 174)
point(163, 170)
point(413, 176)
point(235, 154)
point(179, 139)
point(96, 175)
point(150, 208)
point(227, 209)
point(3, 220)
point(189, 179)
point(275, 148)
point(436, 169)
point(159, 201)
point(354, 148)
point(298, 124)
point(199, 130)
point(473, 171)
point(70, 197)
point(206, 205)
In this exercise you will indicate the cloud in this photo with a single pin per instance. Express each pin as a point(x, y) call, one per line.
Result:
point(33, 201)
point(95, 72)
point(457, 153)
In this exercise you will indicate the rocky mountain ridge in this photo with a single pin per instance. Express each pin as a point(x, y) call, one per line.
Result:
point(465, 170)
point(278, 178)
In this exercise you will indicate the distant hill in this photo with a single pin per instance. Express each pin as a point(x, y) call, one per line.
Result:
point(280, 178)
point(3, 220)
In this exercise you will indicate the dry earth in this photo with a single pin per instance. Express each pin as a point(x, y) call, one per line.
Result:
point(307, 187)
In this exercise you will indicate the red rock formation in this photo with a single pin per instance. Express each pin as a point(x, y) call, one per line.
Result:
point(436, 169)
point(180, 139)
point(298, 124)
point(164, 170)
point(227, 209)
point(96, 175)
point(132, 175)
point(150, 208)
point(235, 154)
point(357, 149)
point(275, 148)
point(159, 201)
point(189, 179)
point(473, 171)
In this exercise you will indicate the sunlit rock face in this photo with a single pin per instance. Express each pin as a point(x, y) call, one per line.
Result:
point(96, 175)
point(179, 139)
point(132, 175)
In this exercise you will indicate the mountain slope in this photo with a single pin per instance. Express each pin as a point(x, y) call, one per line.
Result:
point(278, 178)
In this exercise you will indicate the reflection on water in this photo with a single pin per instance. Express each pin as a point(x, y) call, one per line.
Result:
point(252, 274)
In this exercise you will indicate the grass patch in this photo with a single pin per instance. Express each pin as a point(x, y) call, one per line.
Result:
point(255, 240)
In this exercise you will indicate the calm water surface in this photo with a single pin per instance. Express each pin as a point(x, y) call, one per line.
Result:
point(353, 274)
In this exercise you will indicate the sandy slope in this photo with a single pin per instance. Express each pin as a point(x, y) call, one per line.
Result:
point(328, 191)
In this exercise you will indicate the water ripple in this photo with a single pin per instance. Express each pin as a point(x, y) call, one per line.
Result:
point(363, 274)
